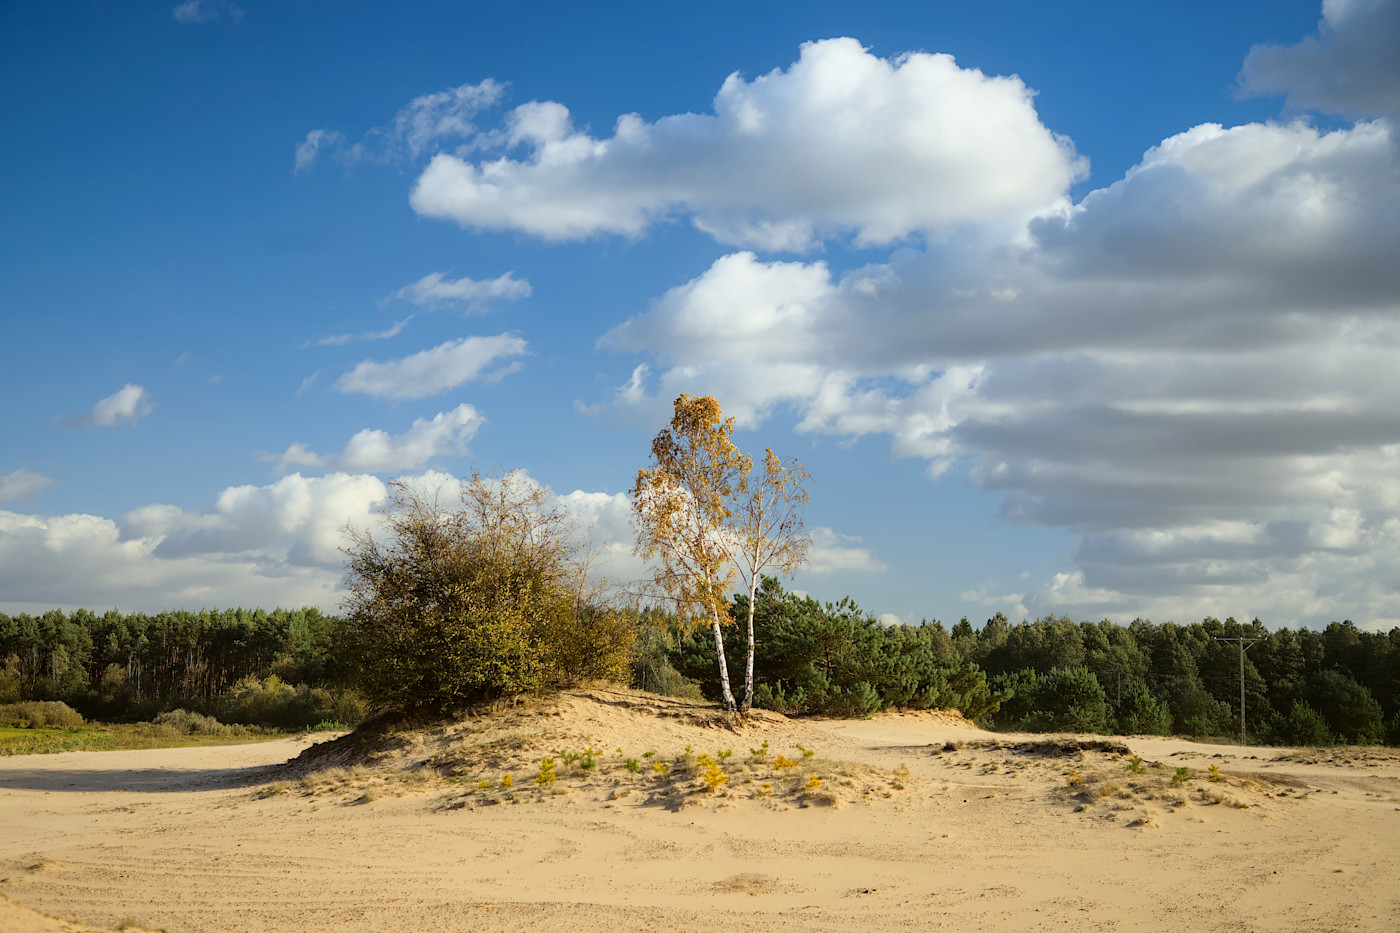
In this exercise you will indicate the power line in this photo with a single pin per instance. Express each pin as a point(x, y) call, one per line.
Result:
point(1244, 644)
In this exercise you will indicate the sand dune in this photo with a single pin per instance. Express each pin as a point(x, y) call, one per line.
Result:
point(903, 821)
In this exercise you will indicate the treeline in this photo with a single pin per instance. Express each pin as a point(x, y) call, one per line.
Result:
point(293, 668)
point(282, 668)
point(1302, 686)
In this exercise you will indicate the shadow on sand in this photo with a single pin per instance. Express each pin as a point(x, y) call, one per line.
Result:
point(139, 780)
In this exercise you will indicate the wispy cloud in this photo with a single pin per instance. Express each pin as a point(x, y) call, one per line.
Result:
point(419, 127)
point(310, 147)
point(202, 11)
point(434, 371)
point(22, 483)
point(435, 290)
point(340, 340)
point(127, 405)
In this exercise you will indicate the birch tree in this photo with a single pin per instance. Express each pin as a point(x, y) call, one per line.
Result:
point(767, 536)
point(682, 509)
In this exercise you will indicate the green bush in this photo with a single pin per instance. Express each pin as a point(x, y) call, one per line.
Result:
point(1140, 713)
point(186, 722)
point(40, 714)
point(585, 643)
point(1302, 726)
point(450, 607)
point(1016, 691)
point(774, 697)
point(1351, 712)
point(1067, 700)
point(1196, 713)
point(270, 703)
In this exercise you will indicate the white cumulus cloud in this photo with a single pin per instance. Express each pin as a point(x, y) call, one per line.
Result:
point(269, 545)
point(296, 521)
point(1350, 67)
point(840, 142)
point(832, 551)
point(446, 434)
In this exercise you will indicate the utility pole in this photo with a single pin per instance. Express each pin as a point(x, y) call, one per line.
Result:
point(1244, 644)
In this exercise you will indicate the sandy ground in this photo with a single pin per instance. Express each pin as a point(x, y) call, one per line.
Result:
point(916, 821)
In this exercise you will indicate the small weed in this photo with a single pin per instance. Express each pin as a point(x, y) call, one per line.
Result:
point(1072, 777)
point(131, 923)
point(507, 781)
point(901, 771)
point(1181, 776)
point(806, 752)
point(764, 790)
point(760, 753)
point(1215, 776)
point(714, 776)
point(661, 769)
point(546, 775)
point(649, 754)
point(783, 762)
point(1134, 764)
point(813, 782)
point(633, 765)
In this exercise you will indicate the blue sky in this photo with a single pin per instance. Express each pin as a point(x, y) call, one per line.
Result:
point(1083, 310)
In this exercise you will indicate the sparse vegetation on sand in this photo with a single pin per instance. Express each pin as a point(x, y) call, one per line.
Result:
point(531, 754)
point(1102, 778)
point(109, 737)
point(49, 727)
point(544, 752)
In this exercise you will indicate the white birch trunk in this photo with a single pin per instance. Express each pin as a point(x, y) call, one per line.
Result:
point(723, 664)
point(748, 663)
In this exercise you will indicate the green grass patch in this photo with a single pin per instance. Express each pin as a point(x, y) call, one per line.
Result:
point(105, 737)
